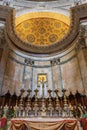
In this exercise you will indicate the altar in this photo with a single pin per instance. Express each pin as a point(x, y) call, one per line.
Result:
point(44, 123)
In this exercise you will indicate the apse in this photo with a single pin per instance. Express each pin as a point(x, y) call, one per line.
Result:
point(43, 64)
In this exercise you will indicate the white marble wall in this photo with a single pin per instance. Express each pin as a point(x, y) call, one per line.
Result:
point(69, 73)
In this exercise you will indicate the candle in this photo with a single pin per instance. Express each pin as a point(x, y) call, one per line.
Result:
point(23, 86)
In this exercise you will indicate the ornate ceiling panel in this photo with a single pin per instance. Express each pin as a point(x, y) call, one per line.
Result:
point(42, 31)
point(77, 14)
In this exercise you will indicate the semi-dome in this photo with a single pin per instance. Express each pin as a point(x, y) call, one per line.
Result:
point(42, 28)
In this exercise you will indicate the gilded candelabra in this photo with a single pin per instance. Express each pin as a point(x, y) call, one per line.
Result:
point(5, 109)
point(50, 106)
point(36, 108)
point(58, 108)
point(21, 106)
point(70, 110)
point(66, 108)
point(65, 99)
point(16, 109)
point(28, 106)
point(57, 99)
point(43, 108)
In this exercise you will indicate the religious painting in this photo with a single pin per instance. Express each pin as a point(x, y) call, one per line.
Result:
point(42, 78)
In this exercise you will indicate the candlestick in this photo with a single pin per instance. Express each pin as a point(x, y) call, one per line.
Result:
point(16, 108)
point(49, 91)
point(21, 99)
point(58, 108)
point(36, 92)
point(23, 86)
point(29, 91)
point(36, 108)
point(56, 91)
point(64, 90)
point(5, 109)
point(50, 106)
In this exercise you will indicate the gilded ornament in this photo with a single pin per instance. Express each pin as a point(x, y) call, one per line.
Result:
point(26, 25)
point(53, 38)
point(41, 31)
point(57, 24)
point(31, 38)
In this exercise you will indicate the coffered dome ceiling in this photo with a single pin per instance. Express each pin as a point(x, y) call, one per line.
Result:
point(41, 28)
point(44, 32)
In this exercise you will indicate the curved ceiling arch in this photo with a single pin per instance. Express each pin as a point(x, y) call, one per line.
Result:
point(41, 28)
point(54, 10)
point(76, 14)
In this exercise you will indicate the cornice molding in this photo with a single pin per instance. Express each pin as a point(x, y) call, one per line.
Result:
point(4, 12)
point(77, 14)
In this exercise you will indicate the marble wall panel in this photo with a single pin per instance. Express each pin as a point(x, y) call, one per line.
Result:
point(56, 77)
point(13, 77)
point(3, 63)
point(27, 78)
point(71, 76)
point(82, 58)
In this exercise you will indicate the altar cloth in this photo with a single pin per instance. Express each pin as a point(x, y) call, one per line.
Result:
point(40, 123)
point(84, 123)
